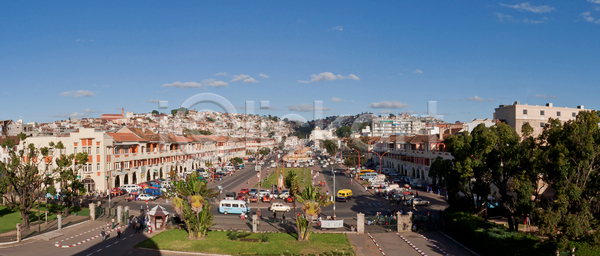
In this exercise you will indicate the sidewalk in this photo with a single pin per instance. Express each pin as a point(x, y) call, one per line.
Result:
point(11, 236)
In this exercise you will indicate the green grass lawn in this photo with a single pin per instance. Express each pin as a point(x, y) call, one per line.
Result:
point(303, 177)
point(9, 219)
point(279, 244)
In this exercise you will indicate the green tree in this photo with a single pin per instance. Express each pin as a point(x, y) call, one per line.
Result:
point(343, 132)
point(237, 161)
point(312, 199)
point(264, 151)
point(24, 177)
point(155, 112)
point(330, 146)
point(190, 204)
point(292, 183)
point(67, 172)
point(569, 162)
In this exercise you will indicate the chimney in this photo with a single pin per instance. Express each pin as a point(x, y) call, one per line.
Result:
point(580, 107)
point(548, 104)
point(123, 112)
point(517, 102)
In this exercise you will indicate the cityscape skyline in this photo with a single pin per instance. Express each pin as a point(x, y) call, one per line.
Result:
point(85, 59)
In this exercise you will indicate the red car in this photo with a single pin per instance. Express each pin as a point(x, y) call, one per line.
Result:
point(241, 197)
point(116, 192)
point(244, 191)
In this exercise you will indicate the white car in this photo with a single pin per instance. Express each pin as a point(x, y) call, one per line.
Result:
point(279, 207)
point(285, 194)
point(264, 192)
point(145, 197)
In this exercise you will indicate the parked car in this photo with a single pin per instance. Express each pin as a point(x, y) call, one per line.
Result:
point(244, 191)
point(275, 193)
point(241, 197)
point(145, 197)
point(267, 198)
point(116, 192)
point(263, 192)
point(253, 199)
point(253, 191)
point(279, 207)
point(284, 194)
point(416, 201)
point(230, 196)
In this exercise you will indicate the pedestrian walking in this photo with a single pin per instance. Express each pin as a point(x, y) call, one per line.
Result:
point(103, 234)
point(118, 232)
point(417, 193)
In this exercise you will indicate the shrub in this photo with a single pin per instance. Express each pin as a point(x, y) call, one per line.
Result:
point(489, 238)
point(264, 237)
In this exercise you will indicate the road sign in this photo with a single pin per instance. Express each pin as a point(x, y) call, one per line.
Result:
point(257, 168)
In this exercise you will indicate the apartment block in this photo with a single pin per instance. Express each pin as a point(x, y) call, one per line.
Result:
point(518, 114)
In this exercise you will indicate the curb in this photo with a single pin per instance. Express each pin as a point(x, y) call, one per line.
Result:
point(431, 242)
point(22, 240)
point(411, 244)
point(178, 252)
point(474, 253)
point(376, 244)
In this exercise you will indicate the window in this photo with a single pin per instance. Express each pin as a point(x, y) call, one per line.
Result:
point(524, 111)
point(574, 114)
point(117, 165)
point(126, 165)
point(116, 150)
point(97, 150)
point(85, 168)
point(542, 125)
point(126, 150)
point(541, 112)
point(97, 167)
point(75, 151)
point(557, 113)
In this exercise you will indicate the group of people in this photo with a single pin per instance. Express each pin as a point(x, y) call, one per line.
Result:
point(138, 223)
point(104, 236)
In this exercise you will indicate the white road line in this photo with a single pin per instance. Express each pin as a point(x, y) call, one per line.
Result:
point(108, 245)
point(99, 250)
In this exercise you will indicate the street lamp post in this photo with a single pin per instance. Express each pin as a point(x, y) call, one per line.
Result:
point(358, 168)
point(380, 163)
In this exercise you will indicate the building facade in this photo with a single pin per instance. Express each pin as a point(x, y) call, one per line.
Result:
point(516, 115)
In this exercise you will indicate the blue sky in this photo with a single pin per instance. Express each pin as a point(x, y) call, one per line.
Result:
point(85, 58)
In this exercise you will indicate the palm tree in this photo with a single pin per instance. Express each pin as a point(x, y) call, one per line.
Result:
point(312, 200)
point(195, 191)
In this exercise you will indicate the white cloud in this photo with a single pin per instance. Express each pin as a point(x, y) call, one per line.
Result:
point(250, 80)
point(153, 101)
point(263, 76)
point(221, 74)
point(183, 85)
point(594, 1)
point(544, 96)
point(77, 94)
point(240, 77)
point(509, 18)
point(418, 71)
point(587, 16)
point(70, 115)
point(505, 17)
point(530, 8)
point(335, 99)
point(87, 110)
point(384, 112)
point(479, 99)
point(106, 86)
point(214, 83)
point(400, 74)
point(338, 28)
point(388, 104)
point(351, 101)
point(328, 76)
point(305, 108)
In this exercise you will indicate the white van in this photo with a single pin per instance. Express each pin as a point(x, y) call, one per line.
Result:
point(233, 206)
point(130, 187)
point(369, 175)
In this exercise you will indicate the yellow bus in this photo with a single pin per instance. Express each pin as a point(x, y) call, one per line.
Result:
point(363, 172)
